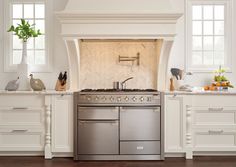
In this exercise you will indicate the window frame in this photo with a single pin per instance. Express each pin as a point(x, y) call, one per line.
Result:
point(228, 21)
point(8, 56)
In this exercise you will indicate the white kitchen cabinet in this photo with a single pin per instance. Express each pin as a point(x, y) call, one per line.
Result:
point(62, 125)
point(213, 123)
point(36, 123)
point(173, 124)
point(22, 123)
point(200, 124)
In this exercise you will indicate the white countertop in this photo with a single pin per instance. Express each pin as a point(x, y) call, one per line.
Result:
point(229, 92)
point(47, 92)
point(70, 92)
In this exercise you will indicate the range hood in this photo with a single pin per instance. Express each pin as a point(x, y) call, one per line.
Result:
point(123, 19)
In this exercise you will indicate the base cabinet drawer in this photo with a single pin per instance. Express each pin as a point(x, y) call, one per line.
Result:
point(140, 147)
point(19, 139)
point(214, 115)
point(21, 116)
point(217, 139)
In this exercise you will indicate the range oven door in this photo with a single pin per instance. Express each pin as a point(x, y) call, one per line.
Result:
point(98, 137)
point(98, 130)
point(140, 123)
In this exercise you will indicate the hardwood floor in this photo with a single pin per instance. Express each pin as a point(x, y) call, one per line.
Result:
point(68, 162)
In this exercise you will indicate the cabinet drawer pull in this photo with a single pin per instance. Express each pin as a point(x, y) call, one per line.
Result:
point(20, 108)
point(216, 109)
point(19, 130)
point(215, 131)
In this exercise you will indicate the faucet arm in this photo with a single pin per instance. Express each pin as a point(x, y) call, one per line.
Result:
point(122, 83)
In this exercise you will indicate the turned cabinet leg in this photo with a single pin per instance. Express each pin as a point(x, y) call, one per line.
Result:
point(189, 154)
point(189, 151)
point(47, 151)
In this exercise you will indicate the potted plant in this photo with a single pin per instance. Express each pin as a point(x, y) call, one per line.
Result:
point(24, 31)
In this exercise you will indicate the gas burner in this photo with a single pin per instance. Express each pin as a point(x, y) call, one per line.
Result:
point(118, 90)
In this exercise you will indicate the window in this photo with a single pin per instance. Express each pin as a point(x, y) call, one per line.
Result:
point(208, 35)
point(33, 11)
point(34, 14)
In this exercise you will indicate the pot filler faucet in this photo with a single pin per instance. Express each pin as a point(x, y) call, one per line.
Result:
point(123, 84)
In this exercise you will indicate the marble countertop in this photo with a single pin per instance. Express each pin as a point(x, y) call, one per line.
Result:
point(229, 92)
point(70, 92)
point(47, 92)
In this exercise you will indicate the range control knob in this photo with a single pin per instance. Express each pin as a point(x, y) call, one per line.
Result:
point(118, 99)
point(103, 98)
point(88, 98)
point(141, 98)
point(126, 98)
point(96, 98)
point(134, 98)
point(112, 98)
point(149, 99)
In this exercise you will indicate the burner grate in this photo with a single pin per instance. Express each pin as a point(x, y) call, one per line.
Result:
point(118, 90)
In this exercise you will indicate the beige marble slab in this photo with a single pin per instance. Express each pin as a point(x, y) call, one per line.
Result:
point(100, 66)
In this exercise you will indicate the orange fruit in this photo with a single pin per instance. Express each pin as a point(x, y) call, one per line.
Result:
point(212, 88)
point(206, 88)
point(218, 84)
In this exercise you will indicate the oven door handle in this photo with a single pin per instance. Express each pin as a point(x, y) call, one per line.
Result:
point(99, 121)
point(155, 109)
point(100, 107)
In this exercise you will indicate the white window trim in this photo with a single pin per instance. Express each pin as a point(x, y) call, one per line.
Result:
point(8, 67)
point(228, 35)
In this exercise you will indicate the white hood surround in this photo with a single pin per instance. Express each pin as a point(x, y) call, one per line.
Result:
point(123, 19)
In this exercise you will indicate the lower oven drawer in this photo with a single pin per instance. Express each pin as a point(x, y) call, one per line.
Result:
point(98, 137)
point(140, 147)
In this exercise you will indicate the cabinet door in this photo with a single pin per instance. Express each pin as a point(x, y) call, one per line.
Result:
point(173, 123)
point(62, 123)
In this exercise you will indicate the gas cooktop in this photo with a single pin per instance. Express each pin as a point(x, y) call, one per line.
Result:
point(118, 90)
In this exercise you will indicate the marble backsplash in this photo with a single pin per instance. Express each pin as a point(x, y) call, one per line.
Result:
point(100, 66)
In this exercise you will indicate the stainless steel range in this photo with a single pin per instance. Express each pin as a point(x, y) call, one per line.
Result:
point(112, 124)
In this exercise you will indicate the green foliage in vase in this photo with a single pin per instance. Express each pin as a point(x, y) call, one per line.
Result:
point(219, 77)
point(24, 30)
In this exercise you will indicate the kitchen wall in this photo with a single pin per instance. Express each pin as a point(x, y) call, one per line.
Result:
point(60, 63)
point(100, 66)
point(59, 55)
point(177, 58)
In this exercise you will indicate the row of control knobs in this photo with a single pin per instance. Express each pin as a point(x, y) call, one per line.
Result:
point(119, 99)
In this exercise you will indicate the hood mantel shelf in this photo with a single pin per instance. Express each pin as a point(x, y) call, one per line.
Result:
point(133, 16)
point(123, 19)
point(118, 25)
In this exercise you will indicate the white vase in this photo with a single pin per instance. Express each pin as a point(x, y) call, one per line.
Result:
point(23, 71)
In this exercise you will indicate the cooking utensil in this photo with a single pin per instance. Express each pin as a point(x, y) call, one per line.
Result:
point(116, 85)
point(175, 72)
point(181, 73)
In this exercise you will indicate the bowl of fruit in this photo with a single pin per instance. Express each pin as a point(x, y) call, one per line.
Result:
point(220, 81)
